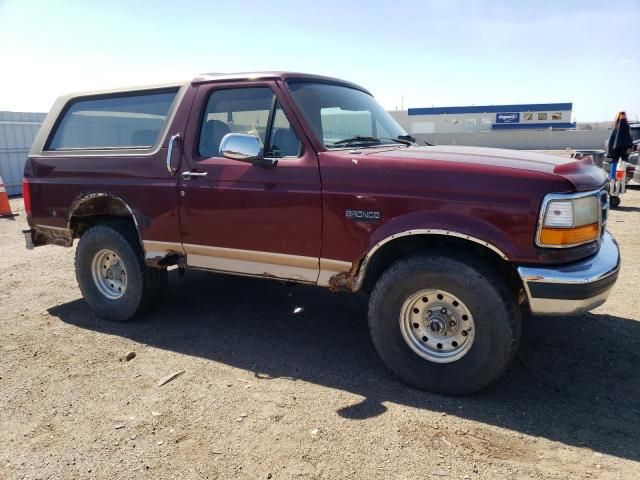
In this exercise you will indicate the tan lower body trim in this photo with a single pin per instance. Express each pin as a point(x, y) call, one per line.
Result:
point(154, 249)
point(329, 268)
point(251, 262)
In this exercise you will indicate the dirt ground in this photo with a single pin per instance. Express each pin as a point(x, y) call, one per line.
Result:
point(282, 382)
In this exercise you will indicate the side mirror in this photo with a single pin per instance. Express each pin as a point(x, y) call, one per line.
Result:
point(245, 148)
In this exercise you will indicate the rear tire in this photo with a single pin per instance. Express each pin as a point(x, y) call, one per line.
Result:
point(412, 306)
point(112, 275)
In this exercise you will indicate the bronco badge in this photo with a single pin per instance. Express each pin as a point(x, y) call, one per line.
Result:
point(368, 216)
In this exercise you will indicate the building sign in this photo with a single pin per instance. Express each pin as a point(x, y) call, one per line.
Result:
point(512, 117)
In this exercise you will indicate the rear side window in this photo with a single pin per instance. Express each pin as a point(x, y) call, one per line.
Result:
point(132, 120)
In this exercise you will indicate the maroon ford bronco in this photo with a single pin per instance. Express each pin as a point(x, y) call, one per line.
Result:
point(307, 179)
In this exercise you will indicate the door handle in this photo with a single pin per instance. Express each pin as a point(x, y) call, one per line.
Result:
point(188, 175)
point(172, 140)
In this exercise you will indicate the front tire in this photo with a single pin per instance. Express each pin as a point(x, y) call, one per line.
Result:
point(443, 323)
point(111, 273)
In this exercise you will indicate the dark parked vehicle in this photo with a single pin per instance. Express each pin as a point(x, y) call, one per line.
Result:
point(307, 179)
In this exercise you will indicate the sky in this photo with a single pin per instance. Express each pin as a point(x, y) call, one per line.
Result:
point(407, 53)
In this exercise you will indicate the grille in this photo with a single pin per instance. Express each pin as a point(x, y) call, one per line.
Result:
point(604, 206)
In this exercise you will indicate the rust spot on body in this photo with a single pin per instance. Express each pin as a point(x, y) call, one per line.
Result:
point(61, 237)
point(162, 261)
point(346, 281)
point(341, 282)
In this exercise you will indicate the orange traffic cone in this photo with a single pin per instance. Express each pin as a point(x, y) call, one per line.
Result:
point(5, 208)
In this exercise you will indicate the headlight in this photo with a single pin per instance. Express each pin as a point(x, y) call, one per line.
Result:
point(568, 221)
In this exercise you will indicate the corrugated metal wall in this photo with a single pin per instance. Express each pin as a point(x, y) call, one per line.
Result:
point(17, 132)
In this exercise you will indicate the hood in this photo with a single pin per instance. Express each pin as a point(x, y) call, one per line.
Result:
point(583, 173)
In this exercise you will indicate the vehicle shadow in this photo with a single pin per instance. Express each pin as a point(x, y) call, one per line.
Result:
point(624, 208)
point(575, 380)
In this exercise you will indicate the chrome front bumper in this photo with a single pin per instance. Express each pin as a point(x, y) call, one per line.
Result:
point(574, 288)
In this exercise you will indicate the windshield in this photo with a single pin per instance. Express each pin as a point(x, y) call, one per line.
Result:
point(345, 117)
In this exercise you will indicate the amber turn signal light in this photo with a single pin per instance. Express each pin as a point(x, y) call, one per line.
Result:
point(569, 236)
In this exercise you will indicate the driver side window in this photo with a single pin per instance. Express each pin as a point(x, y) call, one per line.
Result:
point(253, 111)
point(283, 142)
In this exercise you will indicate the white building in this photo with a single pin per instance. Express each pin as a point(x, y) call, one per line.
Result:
point(486, 118)
point(539, 126)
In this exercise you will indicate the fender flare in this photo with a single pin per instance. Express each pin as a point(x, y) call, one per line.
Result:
point(434, 231)
point(87, 197)
point(476, 230)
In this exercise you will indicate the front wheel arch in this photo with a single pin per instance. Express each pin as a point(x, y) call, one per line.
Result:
point(377, 262)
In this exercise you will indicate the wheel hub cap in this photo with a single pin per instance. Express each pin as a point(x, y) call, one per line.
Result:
point(109, 274)
point(437, 325)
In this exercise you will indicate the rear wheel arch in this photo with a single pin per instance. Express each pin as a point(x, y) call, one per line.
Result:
point(94, 208)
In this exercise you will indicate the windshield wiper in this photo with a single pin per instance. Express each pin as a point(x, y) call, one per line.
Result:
point(407, 138)
point(357, 139)
point(403, 139)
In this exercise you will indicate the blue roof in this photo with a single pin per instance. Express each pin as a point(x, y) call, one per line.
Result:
point(527, 107)
point(539, 126)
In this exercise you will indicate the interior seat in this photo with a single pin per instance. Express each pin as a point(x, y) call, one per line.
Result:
point(212, 134)
point(285, 143)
